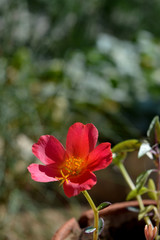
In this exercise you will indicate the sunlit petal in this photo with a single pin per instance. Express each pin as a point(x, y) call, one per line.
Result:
point(48, 150)
point(100, 157)
point(80, 183)
point(81, 139)
point(42, 173)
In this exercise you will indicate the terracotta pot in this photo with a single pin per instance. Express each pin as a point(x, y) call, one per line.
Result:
point(120, 223)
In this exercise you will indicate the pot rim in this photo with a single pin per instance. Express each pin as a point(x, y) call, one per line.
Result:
point(119, 205)
point(72, 225)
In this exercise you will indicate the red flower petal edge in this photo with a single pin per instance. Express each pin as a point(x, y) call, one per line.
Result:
point(73, 166)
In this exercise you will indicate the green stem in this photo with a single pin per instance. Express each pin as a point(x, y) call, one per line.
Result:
point(158, 189)
point(96, 216)
point(132, 186)
point(158, 208)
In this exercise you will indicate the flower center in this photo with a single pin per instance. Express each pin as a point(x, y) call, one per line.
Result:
point(73, 166)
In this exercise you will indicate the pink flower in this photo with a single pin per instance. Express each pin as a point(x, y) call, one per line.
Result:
point(150, 232)
point(73, 166)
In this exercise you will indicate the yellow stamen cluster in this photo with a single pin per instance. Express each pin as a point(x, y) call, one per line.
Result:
point(72, 167)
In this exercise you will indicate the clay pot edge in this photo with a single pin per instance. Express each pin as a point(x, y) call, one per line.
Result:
point(73, 225)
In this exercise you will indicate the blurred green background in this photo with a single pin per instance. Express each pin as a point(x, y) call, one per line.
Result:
point(65, 61)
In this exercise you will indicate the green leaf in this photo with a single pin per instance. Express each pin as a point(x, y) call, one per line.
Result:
point(120, 149)
point(126, 146)
point(142, 191)
point(89, 230)
point(118, 157)
point(144, 149)
point(100, 226)
point(142, 178)
point(152, 189)
point(132, 194)
point(103, 205)
point(133, 209)
point(146, 210)
point(153, 132)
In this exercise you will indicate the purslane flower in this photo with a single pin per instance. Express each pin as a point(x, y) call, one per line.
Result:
point(150, 232)
point(73, 166)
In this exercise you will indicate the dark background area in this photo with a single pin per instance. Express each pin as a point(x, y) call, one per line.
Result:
point(65, 61)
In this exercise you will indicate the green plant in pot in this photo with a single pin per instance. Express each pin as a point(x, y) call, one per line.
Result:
point(74, 165)
point(144, 182)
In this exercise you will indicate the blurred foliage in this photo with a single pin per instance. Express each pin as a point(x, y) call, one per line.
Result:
point(66, 61)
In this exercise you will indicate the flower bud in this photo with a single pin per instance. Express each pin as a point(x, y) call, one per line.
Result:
point(150, 232)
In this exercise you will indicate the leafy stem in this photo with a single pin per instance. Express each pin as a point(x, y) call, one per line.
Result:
point(158, 189)
point(96, 215)
point(133, 187)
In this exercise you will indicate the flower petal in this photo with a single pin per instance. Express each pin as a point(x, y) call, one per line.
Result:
point(48, 150)
point(42, 173)
point(100, 157)
point(81, 139)
point(78, 184)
